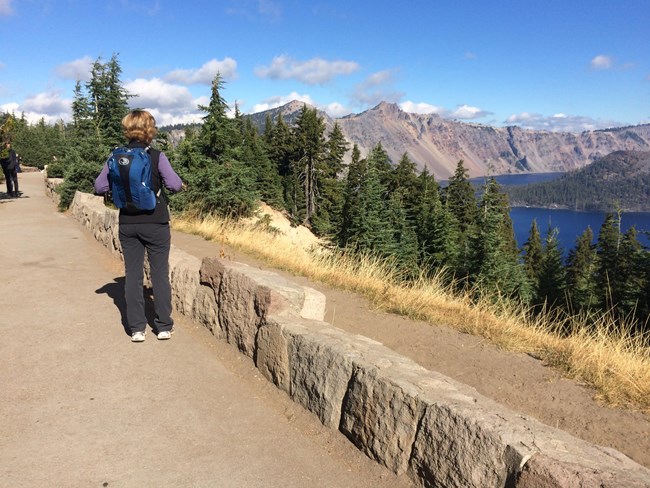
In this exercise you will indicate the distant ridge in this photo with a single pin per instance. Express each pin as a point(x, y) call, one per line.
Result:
point(620, 179)
point(439, 144)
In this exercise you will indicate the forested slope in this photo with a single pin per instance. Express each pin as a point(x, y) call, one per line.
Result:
point(619, 180)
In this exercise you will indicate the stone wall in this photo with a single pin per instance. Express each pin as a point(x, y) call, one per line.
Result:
point(411, 420)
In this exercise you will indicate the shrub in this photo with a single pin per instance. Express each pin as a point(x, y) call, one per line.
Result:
point(79, 175)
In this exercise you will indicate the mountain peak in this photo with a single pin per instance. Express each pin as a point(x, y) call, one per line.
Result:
point(387, 107)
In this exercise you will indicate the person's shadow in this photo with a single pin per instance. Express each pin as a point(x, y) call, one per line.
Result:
point(115, 291)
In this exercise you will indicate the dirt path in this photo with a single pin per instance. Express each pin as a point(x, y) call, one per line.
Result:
point(517, 381)
point(82, 406)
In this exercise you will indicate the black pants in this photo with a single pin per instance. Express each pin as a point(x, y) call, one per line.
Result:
point(11, 178)
point(156, 240)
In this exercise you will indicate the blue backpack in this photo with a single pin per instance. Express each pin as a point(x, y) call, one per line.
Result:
point(129, 174)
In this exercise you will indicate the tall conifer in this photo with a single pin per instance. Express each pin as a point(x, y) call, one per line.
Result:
point(310, 153)
point(551, 279)
point(582, 289)
point(460, 201)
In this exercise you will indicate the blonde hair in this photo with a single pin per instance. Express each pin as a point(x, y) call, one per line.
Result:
point(139, 125)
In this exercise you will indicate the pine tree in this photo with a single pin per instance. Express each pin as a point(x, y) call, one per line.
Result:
point(327, 219)
point(403, 244)
point(116, 103)
point(460, 201)
point(310, 153)
point(218, 133)
point(494, 257)
point(551, 279)
point(352, 183)
point(581, 271)
point(381, 162)
point(369, 229)
point(643, 310)
point(436, 229)
point(533, 251)
point(405, 179)
point(280, 147)
point(608, 247)
point(631, 282)
point(81, 115)
point(107, 100)
point(253, 153)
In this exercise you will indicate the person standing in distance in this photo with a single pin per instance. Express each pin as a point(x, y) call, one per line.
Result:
point(9, 167)
point(141, 230)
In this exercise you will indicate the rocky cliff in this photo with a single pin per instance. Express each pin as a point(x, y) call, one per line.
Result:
point(438, 144)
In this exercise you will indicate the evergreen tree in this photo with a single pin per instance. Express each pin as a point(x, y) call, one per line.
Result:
point(551, 279)
point(218, 134)
point(460, 201)
point(352, 181)
point(280, 147)
point(643, 310)
point(608, 247)
point(81, 114)
point(405, 179)
point(533, 251)
point(436, 229)
point(310, 153)
point(327, 219)
point(460, 198)
point(631, 282)
point(369, 229)
point(382, 163)
point(494, 256)
point(37, 144)
point(582, 289)
point(108, 101)
point(116, 104)
point(253, 153)
point(221, 163)
point(403, 243)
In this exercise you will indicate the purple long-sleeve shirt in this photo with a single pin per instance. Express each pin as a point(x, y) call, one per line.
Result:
point(169, 177)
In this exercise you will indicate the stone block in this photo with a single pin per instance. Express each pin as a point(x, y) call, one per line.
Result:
point(542, 471)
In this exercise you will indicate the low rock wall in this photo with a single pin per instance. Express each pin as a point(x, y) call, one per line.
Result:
point(411, 420)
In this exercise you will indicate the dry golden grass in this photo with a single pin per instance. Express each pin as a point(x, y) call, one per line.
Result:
point(597, 353)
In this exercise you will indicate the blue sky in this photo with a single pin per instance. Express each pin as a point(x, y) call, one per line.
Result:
point(565, 65)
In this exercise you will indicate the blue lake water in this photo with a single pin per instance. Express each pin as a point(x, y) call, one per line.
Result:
point(569, 223)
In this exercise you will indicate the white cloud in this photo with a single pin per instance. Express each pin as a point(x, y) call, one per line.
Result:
point(312, 72)
point(49, 103)
point(421, 108)
point(380, 78)
point(49, 106)
point(10, 108)
point(6, 8)
point(468, 113)
point(335, 109)
point(559, 122)
point(602, 62)
point(79, 69)
point(279, 100)
point(461, 112)
point(165, 118)
point(159, 94)
point(206, 73)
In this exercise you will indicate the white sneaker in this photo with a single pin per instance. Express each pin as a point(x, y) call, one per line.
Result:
point(138, 336)
point(165, 334)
